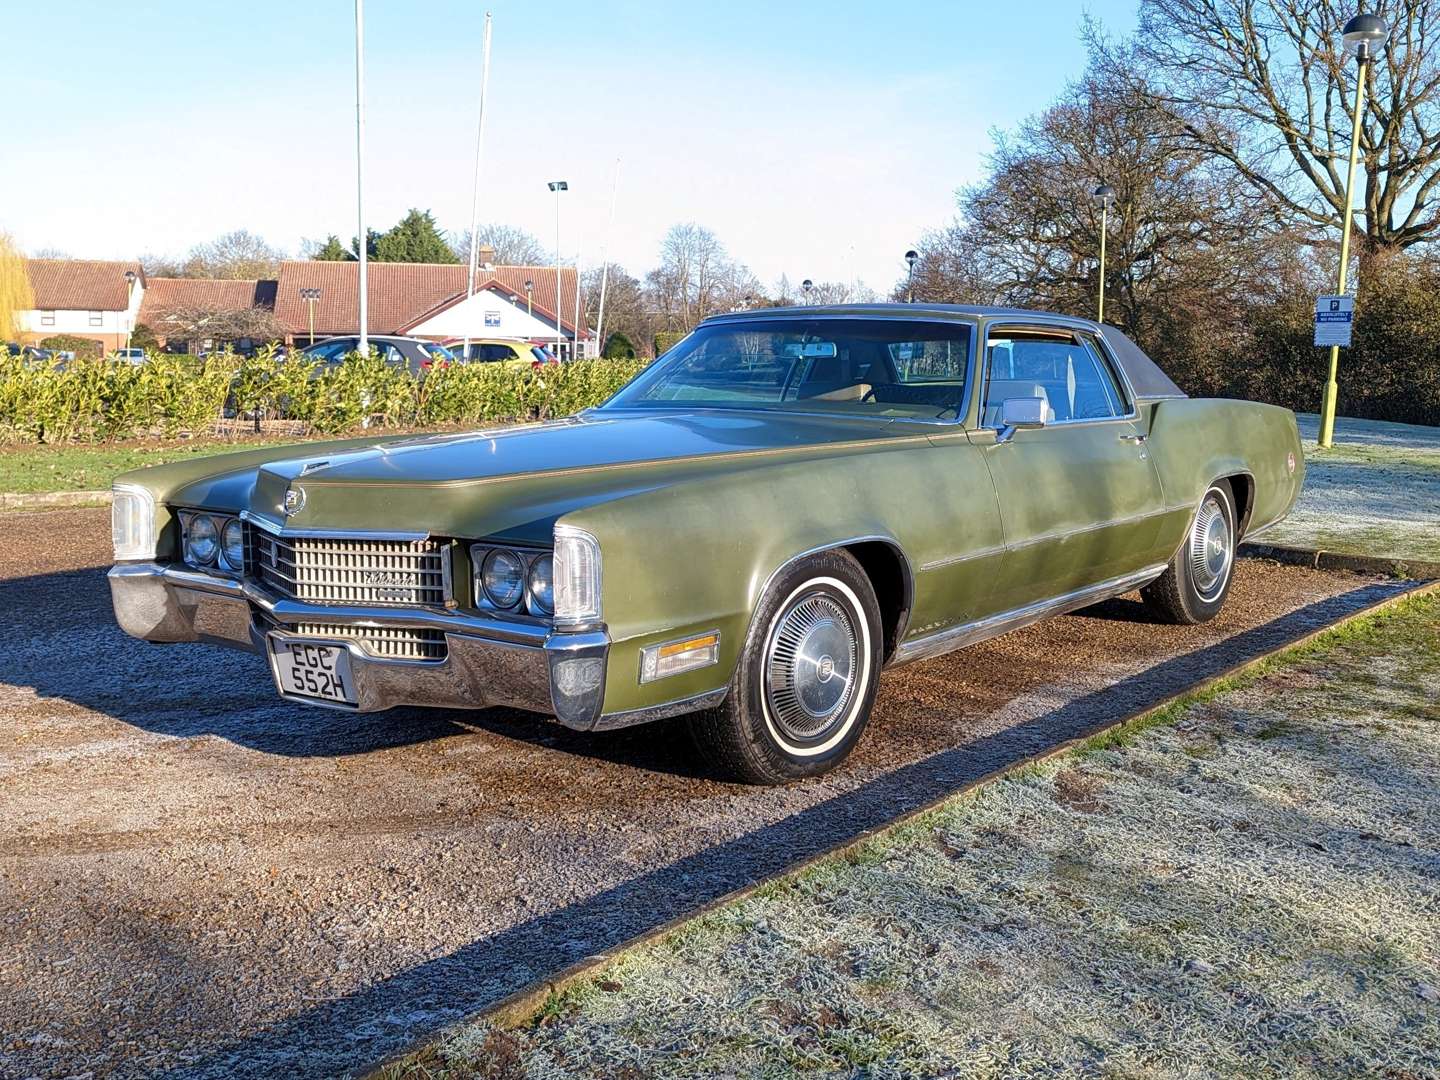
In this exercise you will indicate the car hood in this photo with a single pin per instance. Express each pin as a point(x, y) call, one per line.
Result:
point(515, 481)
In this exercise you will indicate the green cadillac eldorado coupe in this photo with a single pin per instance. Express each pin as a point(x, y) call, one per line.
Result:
point(786, 502)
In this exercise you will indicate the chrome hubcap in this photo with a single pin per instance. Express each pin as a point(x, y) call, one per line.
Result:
point(1210, 548)
point(811, 661)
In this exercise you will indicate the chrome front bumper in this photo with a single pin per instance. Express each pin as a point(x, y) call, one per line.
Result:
point(487, 662)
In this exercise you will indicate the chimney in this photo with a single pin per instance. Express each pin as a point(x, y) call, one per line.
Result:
point(486, 256)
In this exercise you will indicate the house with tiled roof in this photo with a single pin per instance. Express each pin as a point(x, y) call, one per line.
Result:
point(89, 298)
point(98, 300)
point(430, 300)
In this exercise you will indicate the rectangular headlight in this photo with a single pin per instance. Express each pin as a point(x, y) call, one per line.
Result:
point(132, 523)
point(577, 577)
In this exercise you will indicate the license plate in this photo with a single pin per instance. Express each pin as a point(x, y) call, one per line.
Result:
point(312, 669)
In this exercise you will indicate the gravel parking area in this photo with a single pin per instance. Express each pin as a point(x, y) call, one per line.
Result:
point(197, 879)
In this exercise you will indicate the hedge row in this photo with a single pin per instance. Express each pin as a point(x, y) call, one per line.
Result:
point(170, 394)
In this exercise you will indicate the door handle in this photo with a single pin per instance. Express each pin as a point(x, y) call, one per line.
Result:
point(1136, 439)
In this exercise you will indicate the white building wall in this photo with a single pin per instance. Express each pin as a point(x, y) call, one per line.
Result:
point(66, 321)
point(76, 322)
point(488, 314)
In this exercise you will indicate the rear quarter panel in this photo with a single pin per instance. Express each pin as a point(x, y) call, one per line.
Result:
point(1195, 441)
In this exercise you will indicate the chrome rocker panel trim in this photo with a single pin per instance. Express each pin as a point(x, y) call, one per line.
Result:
point(488, 662)
point(957, 637)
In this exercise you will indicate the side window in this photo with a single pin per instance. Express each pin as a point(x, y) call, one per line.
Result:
point(1093, 394)
point(1068, 374)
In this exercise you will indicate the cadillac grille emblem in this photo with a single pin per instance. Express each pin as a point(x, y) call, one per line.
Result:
point(383, 577)
point(294, 500)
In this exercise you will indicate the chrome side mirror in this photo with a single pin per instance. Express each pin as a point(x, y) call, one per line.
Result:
point(1020, 412)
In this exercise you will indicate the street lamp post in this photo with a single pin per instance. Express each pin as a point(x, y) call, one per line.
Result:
point(1104, 195)
point(529, 298)
point(310, 296)
point(130, 279)
point(557, 186)
point(910, 257)
point(807, 285)
point(1364, 35)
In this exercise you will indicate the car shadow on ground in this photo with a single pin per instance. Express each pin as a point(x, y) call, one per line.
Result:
point(62, 641)
point(364, 1026)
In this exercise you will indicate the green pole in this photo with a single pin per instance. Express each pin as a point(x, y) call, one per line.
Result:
point(1327, 404)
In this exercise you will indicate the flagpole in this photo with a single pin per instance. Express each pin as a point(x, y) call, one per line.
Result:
point(364, 238)
point(605, 261)
point(475, 196)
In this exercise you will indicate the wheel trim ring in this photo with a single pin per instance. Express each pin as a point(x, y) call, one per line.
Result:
point(1210, 549)
point(839, 728)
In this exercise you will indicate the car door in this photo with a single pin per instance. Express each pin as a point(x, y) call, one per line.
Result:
point(1080, 498)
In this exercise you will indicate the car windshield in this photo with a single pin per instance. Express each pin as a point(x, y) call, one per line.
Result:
point(867, 367)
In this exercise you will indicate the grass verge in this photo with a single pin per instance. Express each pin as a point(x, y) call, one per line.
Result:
point(27, 469)
point(1241, 885)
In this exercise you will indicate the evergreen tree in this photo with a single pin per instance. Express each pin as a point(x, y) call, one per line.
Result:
point(415, 238)
point(333, 251)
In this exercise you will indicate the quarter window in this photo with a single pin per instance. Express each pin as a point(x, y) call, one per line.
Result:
point(1067, 373)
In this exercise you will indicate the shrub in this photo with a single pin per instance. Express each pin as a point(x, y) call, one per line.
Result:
point(80, 346)
point(666, 340)
point(618, 347)
point(172, 393)
point(142, 337)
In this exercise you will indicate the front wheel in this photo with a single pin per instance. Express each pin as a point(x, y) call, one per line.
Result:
point(1195, 584)
point(806, 678)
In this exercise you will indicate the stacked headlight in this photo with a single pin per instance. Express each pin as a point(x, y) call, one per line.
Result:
point(202, 541)
point(518, 581)
point(212, 540)
point(541, 585)
point(232, 544)
point(502, 578)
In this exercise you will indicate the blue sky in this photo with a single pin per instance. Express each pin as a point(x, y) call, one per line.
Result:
point(816, 140)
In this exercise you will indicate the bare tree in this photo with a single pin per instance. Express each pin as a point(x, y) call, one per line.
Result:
point(1264, 86)
point(696, 277)
point(1030, 235)
point(200, 323)
point(839, 292)
point(160, 265)
point(625, 306)
point(236, 255)
point(513, 245)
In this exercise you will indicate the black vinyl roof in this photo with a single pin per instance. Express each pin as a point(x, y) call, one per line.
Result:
point(1146, 378)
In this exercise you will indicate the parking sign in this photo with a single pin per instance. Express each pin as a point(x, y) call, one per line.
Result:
point(1334, 315)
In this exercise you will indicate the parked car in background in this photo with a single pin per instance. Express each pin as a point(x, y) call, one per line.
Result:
point(783, 504)
point(130, 355)
point(30, 353)
point(501, 351)
point(416, 354)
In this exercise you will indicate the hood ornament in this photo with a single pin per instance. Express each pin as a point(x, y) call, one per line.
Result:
point(294, 500)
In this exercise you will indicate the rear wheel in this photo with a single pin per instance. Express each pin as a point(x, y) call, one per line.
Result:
point(805, 681)
point(1195, 584)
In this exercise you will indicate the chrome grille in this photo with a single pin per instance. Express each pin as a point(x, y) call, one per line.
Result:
point(382, 642)
point(325, 570)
